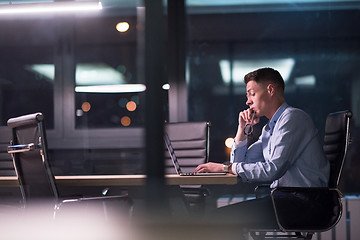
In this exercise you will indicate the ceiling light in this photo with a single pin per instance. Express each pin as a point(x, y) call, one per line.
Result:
point(307, 81)
point(242, 67)
point(118, 88)
point(50, 7)
point(86, 73)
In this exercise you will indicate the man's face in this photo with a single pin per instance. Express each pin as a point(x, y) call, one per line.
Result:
point(258, 97)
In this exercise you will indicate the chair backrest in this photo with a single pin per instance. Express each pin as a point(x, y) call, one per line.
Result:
point(291, 204)
point(30, 156)
point(190, 141)
point(6, 162)
point(336, 143)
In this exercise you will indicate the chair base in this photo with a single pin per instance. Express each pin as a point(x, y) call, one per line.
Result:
point(261, 235)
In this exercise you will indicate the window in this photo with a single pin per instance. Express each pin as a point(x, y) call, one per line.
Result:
point(107, 91)
point(26, 73)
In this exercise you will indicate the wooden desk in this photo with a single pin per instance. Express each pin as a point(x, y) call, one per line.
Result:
point(130, 180)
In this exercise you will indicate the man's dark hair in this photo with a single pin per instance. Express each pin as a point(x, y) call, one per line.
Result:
point(266, 75)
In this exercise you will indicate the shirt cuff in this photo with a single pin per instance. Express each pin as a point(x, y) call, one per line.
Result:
point(233, 168)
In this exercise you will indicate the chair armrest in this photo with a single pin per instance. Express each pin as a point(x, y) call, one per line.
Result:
point(315, 209)
point(23, 148)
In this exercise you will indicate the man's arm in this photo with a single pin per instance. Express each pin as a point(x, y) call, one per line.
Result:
point(240, 140)
point(291, 135)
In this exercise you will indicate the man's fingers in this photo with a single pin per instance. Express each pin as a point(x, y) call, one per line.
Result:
point(199, 168)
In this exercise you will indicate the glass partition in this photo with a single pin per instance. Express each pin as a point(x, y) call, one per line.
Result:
point(27, 82)
point(107, 91)
point(314, 46)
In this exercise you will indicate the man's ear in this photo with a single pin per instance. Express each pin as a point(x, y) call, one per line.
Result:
point(271, 89)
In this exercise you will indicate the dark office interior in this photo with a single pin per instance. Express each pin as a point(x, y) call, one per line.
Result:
point(205, 48)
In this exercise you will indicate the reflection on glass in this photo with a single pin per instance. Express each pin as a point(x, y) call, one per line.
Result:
point(26, 83)
point(114, 99)
point(109, 110)
point(242, 67)
point(97, 73)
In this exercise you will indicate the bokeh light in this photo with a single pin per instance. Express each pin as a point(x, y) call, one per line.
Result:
point(86, 106)
point(123, 102)
point(166, 86)
point(229, 142)
point(125, 121)
point(135, 99)
point(122, 26)
point(131, 106)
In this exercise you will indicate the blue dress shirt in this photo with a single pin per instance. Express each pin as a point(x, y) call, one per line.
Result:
point(288, 153)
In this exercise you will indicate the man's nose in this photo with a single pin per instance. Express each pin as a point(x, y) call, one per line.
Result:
point(248, 102)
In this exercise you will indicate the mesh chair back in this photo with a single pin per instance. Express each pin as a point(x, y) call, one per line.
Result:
point(29, 151)
point(190, 141)
point(336, 142)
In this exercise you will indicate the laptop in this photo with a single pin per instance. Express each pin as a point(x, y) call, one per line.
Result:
point(177, 165)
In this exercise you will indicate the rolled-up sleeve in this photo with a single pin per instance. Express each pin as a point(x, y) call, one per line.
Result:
point(238, 151)
point(240, 155)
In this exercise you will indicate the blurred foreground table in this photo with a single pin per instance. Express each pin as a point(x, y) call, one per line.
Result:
point(130, 180)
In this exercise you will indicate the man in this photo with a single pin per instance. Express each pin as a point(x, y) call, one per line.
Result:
point(288, 152)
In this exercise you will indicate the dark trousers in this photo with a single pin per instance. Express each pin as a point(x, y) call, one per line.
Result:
point(304, 208)
point(255, 213)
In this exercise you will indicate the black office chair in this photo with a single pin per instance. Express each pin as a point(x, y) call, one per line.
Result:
point(190, 141)
point(295, 217)
point(37, 183)
point(6, 163)
point(9, 195)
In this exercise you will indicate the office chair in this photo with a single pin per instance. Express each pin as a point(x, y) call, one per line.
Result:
point(6, 163)
point(190, 141)
point(37, 183)
point(298, 220)
point(9, 195)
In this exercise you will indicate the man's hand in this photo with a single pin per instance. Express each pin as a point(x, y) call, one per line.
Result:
point(209, 167)
point(245, 117)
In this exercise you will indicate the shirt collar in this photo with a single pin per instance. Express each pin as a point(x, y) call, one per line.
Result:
point(273, 120)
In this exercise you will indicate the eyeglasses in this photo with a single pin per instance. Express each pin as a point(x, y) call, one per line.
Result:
point(248, 129)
